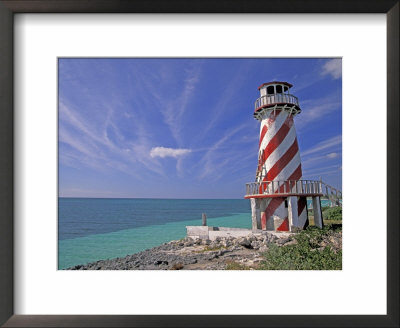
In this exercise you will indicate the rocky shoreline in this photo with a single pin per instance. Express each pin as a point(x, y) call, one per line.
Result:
point(204, 254)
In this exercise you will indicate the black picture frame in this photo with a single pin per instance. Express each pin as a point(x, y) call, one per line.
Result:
point(10, 7)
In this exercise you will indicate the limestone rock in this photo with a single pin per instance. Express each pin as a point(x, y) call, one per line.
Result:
point(244, 242)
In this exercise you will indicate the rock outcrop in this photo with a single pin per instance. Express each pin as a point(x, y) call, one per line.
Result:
point(203, 254)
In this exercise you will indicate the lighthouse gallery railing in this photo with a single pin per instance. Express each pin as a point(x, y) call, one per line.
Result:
point(276, 99)
point(287, 187)
point(284, 187)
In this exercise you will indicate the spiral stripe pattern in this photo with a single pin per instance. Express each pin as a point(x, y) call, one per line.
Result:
point(279, 159)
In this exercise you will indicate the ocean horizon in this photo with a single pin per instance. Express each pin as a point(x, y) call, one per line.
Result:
point(92, 229)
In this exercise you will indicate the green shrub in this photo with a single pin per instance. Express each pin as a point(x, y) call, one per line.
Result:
point(306, 254)
point(232, 265)
point(332, 213)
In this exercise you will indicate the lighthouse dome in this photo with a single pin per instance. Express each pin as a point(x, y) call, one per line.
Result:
point(274, 87)
point(275, 95)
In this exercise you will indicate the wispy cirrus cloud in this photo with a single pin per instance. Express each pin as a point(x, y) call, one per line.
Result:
point(84, 192)
point(228, 98)
point(316, 109)
point(322, 172)
point(175, 109)
point(326, 68)
point(214, 159)
point(92, 146)
point(333, 68)
point(323, 145)
point(323, 159)
point(168, 120)
point(168, 152)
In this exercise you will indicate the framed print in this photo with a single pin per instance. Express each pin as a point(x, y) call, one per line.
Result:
point(63, 55)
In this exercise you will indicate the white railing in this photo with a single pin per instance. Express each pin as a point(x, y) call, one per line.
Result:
point(276, 99)
point(333, 194)
point(284, 187)
point(329, 190)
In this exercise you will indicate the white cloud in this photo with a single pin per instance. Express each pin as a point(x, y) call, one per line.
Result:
point(173, 112)
point(319, 170)
point(333, 68)
point(316, 109)
point(168, 152)
point(227, 98)
point(332, 155)
point(316, 160)
point(323, 145)
point(99, 150)
point(212, 160)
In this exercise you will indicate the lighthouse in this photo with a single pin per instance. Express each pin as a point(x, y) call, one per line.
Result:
point(279, 195)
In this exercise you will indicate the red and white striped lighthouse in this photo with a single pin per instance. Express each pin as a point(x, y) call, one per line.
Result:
point(278, 196)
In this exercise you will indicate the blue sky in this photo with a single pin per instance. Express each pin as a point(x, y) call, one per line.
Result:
point(183, 128)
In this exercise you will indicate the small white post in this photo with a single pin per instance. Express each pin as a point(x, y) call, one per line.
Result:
point(255, 214)
point(204, 219)
point(317, 212)
point(293, 212)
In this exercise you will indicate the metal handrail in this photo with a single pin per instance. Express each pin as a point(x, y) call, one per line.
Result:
point(284, 187)
point(294, 187)
point(334, 195)
point(275, 99)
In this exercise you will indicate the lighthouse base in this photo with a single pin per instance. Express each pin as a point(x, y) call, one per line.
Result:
point(281, 213)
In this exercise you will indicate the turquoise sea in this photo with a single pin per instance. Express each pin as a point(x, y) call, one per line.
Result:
point(91, 229)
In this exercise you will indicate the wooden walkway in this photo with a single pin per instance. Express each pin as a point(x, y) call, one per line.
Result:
point(334, 195)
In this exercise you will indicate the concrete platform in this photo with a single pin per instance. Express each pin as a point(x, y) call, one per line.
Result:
point(211, 233)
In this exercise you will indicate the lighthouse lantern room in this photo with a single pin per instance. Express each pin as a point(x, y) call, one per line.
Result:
point(279, 195)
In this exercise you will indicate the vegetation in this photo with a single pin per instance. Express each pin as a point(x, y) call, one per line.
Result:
point(332, 213)
point(307, 254)
point(326, 222)
point(232, 265)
